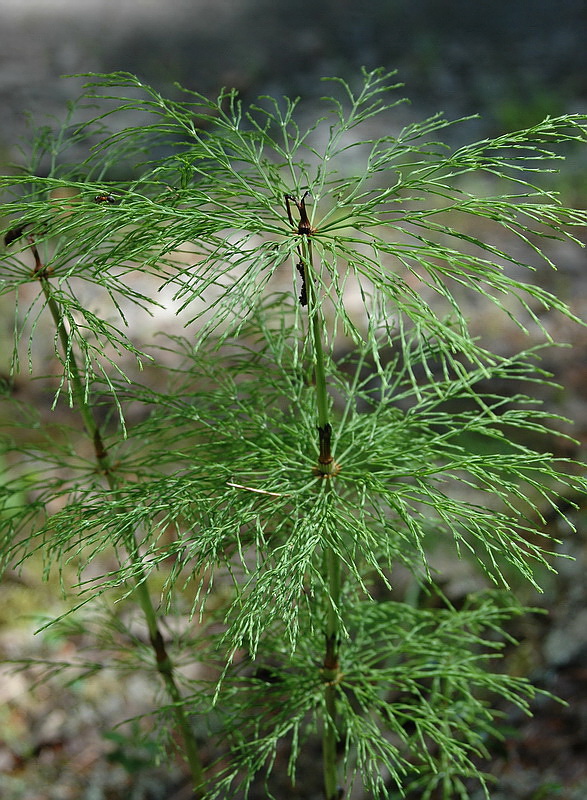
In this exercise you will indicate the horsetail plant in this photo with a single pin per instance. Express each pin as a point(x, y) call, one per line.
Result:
point(317, 419)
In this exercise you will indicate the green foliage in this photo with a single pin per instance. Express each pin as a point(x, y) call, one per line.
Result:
point(276, 466)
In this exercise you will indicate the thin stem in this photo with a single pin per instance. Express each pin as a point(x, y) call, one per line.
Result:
point(330, 673)
point(327, 468)
point(317, 324)
point(163, 661)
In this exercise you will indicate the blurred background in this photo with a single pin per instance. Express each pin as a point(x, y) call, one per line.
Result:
point(510, 61)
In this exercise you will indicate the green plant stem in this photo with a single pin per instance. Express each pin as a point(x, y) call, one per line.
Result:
point(164, 663)
point(330, 674)
point(317, 325)
point(331, 563)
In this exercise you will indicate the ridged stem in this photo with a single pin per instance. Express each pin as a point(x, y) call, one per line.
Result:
point(163, 661)
point(327, 468)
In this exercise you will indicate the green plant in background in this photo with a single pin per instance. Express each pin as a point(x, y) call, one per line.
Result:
point(325, 419)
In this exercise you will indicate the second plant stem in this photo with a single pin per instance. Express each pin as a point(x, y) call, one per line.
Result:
point(163, 661)
point(326, 468)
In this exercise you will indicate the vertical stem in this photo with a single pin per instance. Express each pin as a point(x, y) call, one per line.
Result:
point(331, 565)
point(163, 661)
point(330, 673)
point(317, 326)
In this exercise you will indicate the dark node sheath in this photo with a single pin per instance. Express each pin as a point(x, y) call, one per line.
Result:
point(13, 234)
point(303, 298)
point(324, 436)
